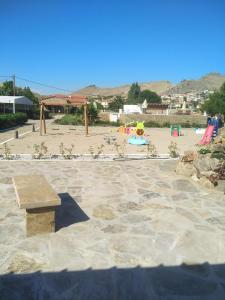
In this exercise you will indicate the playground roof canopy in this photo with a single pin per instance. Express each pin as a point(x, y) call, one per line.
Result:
point(62, 100)
point(15, 100)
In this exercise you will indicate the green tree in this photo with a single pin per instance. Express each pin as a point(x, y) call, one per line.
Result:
point(216, 102)
point(30, 95)
point(150, 96)
point(7, 90)
point(116, 104)
point(134, 94)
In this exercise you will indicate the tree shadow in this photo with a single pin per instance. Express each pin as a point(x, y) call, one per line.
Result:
point(184, 282)
point(68, 213)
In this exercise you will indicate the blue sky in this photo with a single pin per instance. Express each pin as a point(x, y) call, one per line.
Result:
point(72, 44)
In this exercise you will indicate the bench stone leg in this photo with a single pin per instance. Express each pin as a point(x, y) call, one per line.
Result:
point(40, 220)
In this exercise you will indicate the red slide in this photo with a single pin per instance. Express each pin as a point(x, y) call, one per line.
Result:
point(206, 139)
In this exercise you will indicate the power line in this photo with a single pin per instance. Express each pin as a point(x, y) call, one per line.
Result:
point(43, 84)
point(36, 82)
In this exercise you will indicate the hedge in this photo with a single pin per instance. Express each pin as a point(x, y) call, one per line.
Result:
point(11, 120)
point(78, 120)
point(151, 124)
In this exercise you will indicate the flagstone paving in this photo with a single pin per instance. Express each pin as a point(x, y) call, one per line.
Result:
point(125, 230)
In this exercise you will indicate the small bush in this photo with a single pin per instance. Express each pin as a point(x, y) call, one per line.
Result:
point(39, 150)
point(151, 151)
point(7, 151)
point(95, 153)
point(70, 120)
point(173, 150)
point(219, 155)
point(11, 120)
point(204, 150)
point(67, 153)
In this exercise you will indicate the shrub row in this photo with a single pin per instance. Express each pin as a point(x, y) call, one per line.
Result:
point(152, 124)
point(78, 120)
point(167, 124)
point(10, 120)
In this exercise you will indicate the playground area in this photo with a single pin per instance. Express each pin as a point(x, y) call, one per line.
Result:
point(97, 136)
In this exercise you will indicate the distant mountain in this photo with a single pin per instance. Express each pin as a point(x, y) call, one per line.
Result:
point(211, 81)
point(156, 86)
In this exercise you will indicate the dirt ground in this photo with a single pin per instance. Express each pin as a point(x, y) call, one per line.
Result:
point(69, 134)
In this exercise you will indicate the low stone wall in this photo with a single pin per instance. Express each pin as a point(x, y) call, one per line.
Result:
point(162, 119)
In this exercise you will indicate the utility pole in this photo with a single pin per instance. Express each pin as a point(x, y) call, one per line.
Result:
point(14, 84)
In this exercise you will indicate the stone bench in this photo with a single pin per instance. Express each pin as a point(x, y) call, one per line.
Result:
point(39, 199)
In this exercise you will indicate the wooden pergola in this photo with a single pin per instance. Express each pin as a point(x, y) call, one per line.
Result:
point(62, 100)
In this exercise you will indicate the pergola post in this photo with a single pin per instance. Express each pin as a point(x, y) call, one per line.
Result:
point(85, 119)
point(43, 115)
point(41, 119)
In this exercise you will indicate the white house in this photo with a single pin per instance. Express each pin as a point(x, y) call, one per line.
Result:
point(132, 109)
point(13, 104)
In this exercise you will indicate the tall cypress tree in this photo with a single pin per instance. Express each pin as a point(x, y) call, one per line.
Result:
point(134, 93)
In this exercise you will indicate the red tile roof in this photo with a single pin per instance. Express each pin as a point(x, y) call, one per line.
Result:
point(77, 99)
point(62, 96)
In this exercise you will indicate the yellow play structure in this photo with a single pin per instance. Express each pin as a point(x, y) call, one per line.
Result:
point(136, 133)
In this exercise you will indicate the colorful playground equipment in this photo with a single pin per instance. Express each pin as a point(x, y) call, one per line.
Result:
point(138, 136)
point(127, 130)
point(210, 132)
point(175, 130)
point(207, 137)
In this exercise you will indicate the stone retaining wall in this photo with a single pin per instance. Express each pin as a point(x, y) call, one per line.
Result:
point(162, 119)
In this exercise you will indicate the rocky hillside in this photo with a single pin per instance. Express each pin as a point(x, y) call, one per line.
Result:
point(156, 86)
point(211, 81)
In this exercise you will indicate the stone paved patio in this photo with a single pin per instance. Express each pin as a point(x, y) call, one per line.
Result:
point(119, 221)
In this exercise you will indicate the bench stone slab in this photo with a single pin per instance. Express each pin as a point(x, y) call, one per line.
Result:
point(34, 192)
